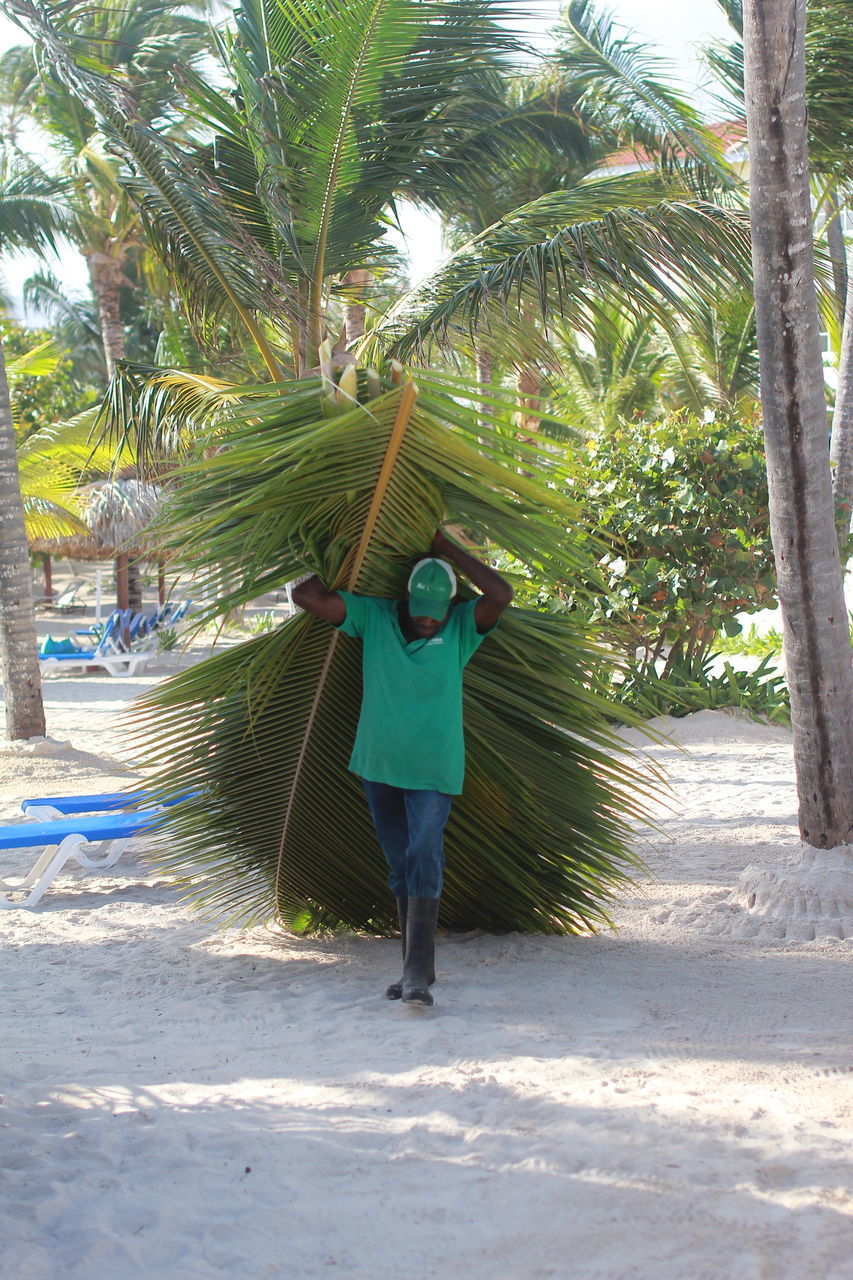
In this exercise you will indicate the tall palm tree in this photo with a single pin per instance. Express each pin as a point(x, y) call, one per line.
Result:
point(31, 213)
point(817, 643)
point(829, 94)
point(143, 44)
point(19, 664)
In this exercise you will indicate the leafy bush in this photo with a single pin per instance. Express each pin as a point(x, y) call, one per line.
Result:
point(681, 507)
point(752, 642)
point(687, 687)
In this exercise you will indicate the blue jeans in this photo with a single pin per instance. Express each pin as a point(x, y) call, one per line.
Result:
point(410, 828)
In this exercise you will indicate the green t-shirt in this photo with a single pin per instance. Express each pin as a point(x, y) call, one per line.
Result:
point(410, 728)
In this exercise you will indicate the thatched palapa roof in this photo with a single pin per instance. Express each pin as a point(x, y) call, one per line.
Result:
point(118, 513)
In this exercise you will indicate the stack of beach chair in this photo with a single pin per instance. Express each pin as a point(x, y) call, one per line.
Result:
point(123, 647)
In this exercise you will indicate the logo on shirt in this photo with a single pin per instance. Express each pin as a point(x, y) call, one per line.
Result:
point(437, 640)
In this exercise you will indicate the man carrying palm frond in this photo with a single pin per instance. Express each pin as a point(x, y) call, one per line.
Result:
point(409, 748)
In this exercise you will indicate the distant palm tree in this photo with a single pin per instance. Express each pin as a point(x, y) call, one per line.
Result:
point(143, 43)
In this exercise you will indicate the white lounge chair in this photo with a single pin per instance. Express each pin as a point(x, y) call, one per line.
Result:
point(109, 654)
point(70, 837)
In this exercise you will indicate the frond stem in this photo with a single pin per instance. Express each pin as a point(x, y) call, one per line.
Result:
point(395, 440)
point(319, 272)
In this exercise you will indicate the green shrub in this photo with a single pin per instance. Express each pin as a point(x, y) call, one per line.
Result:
point(688, 687)
point(752, 642)
point(681, 508)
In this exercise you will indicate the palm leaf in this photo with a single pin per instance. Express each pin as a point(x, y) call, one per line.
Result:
point(622, 93)
point(189, 224)
point(73, 444)
point(571, 252)
point(35, 363)
point(49, 493)
point(34, 209)
point(539, 840)
point(159, 413)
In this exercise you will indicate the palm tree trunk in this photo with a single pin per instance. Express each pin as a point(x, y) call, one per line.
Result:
point(134, 586)
point(107, 276)
point(122, 585)
point(529, 415)
point(19, 664)
point(817, 647)
point(837, 253)
point(354, 311)
point(841, 447)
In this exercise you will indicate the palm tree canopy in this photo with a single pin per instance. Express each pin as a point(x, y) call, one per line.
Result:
point(625, 94)
point(612, 239)
point(141, 43)
point(337, 109)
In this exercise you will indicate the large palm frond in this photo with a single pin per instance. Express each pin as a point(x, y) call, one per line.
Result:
point(569, 251)
point(353, 489)
point(198, 236)
point(625, 93)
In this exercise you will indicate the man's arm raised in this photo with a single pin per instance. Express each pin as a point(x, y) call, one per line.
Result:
point(496, 591)
point(312, 596)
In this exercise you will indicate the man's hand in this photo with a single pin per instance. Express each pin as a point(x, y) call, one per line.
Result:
point(313, 596)
point(441, 546)
point(497, 593)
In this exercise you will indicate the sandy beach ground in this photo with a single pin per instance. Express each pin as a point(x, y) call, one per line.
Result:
point(668, 1102)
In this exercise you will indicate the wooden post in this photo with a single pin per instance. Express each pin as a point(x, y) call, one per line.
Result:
point(122, 598)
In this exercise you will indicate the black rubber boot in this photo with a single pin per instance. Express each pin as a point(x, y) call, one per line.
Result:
point(419, 966)
point(395, 990)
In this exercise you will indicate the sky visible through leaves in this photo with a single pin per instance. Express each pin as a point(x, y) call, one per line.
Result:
point(674, 27)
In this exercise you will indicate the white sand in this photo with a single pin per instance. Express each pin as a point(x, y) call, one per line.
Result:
point(669, 1103)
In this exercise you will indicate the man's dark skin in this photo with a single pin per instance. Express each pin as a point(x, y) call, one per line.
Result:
point(496, 593)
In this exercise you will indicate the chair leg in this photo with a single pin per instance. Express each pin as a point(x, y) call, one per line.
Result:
point(48, 865)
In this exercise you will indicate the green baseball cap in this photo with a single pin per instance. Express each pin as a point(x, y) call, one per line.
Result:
point(431, 588)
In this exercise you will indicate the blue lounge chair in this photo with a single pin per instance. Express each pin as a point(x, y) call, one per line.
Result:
point(109, 653)
point(49, 807)
point(67, 838)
